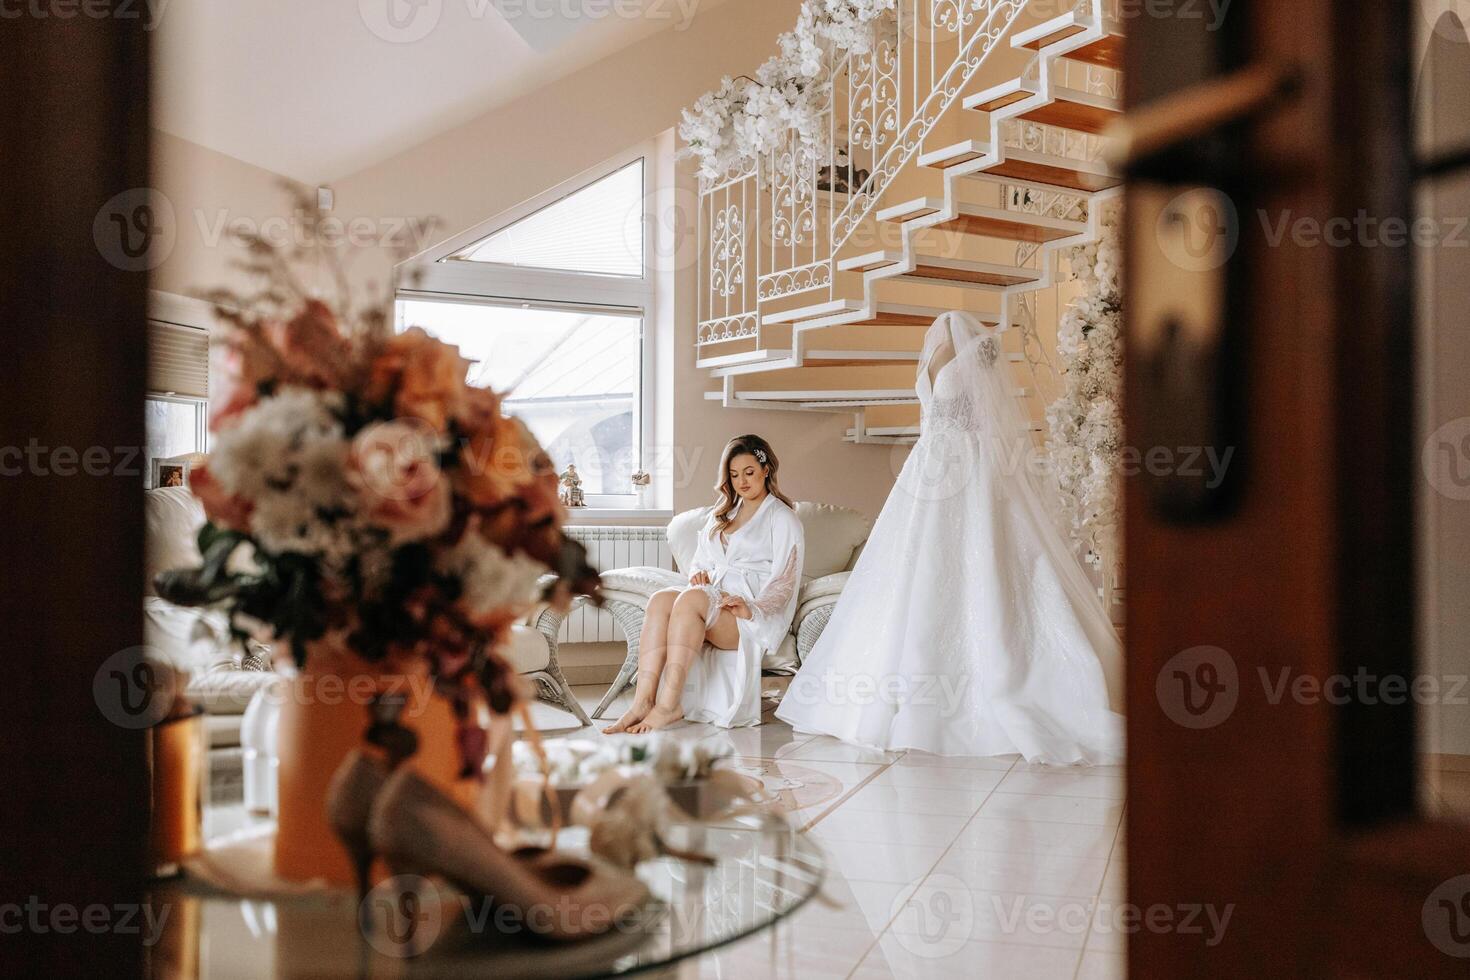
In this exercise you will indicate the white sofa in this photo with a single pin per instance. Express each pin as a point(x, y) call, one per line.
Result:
point(834, 538)
point(223, 678)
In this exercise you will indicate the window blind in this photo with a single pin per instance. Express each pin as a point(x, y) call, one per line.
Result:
point(178, 360)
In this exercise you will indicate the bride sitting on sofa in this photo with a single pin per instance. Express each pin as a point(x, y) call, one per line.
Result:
point(701, 646)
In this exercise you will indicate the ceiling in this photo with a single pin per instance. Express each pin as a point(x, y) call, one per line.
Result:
point(319, 89)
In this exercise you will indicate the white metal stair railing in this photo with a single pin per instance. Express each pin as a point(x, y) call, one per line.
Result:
point(774, 230)
point(1051, 207)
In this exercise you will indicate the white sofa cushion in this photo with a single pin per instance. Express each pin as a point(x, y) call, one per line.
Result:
point(226, 691)
point(190, 641)
point(820, 588)
point(526, 650)
point(641, 580)
point(683, 535)
point(833, 536)
point(172, 518)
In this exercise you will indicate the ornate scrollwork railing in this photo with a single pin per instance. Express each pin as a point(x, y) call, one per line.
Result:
point(774, 230)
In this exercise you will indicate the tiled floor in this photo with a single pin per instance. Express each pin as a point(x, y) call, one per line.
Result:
point(980, 867)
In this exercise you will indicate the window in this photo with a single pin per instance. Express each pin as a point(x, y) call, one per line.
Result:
point(571, 376)
point(174, 426)
point(550, 302)
point(598, 229)
point(176, 408)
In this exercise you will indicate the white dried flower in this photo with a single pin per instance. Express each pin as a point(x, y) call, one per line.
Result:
point(491, 578)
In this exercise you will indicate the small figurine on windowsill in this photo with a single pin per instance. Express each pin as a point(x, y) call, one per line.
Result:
point(642, 482)
point(571, 488)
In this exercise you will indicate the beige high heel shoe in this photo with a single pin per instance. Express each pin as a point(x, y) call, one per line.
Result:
point(350, 796)
point(419, 830)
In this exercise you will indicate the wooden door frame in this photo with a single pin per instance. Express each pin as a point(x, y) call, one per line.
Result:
point(74, 133)
point(1299, 815)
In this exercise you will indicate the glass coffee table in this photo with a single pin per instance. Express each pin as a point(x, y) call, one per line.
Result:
point(761, 871)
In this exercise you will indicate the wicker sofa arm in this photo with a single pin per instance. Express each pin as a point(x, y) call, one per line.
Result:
point(810, 624)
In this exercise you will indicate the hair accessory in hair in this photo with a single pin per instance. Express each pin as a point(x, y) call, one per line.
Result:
point(760, 454)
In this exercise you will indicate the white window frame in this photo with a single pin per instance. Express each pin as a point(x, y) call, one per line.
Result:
point(442, 278)
point(193, 314)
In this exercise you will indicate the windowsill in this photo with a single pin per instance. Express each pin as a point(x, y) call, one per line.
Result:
point(585, 515)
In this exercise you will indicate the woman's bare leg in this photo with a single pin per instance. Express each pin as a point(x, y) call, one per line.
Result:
point(652, 643)
point(686, 637)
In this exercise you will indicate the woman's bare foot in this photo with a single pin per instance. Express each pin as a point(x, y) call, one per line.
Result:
point(631, 717)
point(656, 719)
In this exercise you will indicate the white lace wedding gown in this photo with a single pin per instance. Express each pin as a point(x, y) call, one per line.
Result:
point(968, 627)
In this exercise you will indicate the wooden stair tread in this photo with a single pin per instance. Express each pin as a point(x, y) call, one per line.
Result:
point(1085, 112)
point(856, 396)
point(884, 315)
point(992, 222)
point(900, 314)
point(955, 154)
point(870, 260)
point(743, 357)
point(1063, 173)
point(1106, 51)
point(859, 358)
point(999, 96)
point(1031, 166)
point(813, 312)
point(958, 272)
point(910, 431)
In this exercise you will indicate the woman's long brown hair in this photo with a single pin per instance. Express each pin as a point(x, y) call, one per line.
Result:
point(751, 445)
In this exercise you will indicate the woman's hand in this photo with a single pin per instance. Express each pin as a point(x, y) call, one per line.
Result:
point(700, 577)
point(737, 606)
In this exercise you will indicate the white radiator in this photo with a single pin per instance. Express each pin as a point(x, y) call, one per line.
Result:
point(609, 548)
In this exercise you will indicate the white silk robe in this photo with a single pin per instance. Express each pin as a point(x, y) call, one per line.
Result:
point(761, 563)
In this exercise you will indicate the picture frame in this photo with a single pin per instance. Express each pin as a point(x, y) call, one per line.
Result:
point(172, 471)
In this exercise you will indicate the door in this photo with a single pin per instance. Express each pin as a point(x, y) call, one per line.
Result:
point(1275, 620)
point(74, 155)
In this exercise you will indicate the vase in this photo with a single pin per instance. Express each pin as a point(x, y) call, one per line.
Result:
point(260, 729)
point(176, 760)
point(324, 715)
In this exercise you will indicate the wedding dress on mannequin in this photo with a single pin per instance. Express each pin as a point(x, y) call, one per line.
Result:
point(968, 626)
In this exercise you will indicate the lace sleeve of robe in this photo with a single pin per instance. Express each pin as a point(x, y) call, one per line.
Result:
point(775, 607)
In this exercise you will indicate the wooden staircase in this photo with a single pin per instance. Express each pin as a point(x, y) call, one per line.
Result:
point(949, 251)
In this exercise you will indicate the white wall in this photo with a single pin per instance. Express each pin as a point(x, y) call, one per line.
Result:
point(476, 171)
